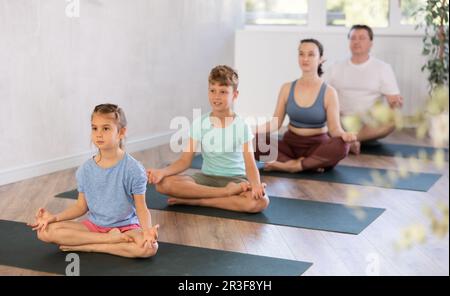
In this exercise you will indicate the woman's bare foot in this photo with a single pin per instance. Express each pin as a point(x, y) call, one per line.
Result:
point(291, 166)
point(269, 166)
point(295, 166)
point(355, 148)
point(237, 188)
point(276, 166)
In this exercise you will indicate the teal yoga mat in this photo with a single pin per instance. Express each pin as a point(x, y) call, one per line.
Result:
point(281, 211)
point(382, 148)
point(20, 248)
point(351, 175)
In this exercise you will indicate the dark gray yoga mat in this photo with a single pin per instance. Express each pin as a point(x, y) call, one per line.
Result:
point(20, 248)
point(351, 175)
point(281, 211)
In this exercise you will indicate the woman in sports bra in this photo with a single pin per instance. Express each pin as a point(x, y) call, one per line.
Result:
point(315, 139)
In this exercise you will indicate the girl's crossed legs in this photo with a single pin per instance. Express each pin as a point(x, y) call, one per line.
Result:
point(75, 236)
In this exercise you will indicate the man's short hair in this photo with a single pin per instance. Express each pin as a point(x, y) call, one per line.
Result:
point(362, 27)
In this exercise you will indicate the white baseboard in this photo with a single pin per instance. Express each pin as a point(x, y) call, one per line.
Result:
point(57, 164)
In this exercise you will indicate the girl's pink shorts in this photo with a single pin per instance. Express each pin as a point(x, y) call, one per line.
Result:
point(95, 228)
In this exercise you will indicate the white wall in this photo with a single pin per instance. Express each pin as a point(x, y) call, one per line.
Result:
point(268, 58)
point(152, 57)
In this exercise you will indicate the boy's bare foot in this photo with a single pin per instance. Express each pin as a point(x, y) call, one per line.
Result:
point(118, 237)
point(237, 188)
point(245, 186)
point(264, 185)
point(171, 201)
point(355, 148)
point(183, 201)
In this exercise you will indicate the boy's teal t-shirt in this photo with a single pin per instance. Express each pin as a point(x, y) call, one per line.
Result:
point(221, 148)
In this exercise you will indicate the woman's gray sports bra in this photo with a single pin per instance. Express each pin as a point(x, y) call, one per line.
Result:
point(309, 117)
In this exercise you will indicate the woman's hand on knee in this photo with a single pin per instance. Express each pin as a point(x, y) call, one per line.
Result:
point(349, 137)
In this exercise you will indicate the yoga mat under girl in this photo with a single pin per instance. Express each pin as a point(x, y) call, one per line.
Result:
point(21, 248)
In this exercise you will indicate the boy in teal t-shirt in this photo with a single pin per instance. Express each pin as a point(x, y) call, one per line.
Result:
point(229, 178)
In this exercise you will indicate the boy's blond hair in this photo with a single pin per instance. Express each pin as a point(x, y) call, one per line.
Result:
point(224, 75)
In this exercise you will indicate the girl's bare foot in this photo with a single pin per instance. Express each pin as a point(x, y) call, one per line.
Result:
point(73, 249)
point(118, 237)
point(355, 148)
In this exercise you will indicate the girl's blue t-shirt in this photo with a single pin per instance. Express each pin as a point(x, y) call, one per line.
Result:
point(109, 192)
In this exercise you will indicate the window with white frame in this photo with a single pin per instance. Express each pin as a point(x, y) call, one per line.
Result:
point(276, 12)
point(408, 7)
point(349, 12)
point(339, 13)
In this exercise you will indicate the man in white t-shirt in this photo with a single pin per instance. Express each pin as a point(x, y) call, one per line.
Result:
point(361, 81)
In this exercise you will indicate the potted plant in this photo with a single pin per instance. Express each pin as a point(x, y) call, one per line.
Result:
point(435, 41)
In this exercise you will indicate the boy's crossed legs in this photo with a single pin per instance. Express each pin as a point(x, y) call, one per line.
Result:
point(196, 190)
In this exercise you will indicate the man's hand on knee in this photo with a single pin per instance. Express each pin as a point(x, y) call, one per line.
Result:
point(395, 101)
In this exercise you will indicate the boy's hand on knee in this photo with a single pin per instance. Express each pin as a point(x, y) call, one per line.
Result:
point(258, 190)
point(155, 176)
point(42, 219)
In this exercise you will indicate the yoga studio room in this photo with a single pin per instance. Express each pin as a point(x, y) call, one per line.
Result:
point(261, 138)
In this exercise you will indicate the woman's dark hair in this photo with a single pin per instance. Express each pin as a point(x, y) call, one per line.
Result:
point(320, 47)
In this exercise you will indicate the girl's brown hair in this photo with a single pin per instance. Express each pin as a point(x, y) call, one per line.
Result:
point(116, 111)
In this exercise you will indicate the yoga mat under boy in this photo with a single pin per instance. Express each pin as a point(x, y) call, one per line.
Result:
point(351, 175)
point(281, 211)
point(21, 248)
